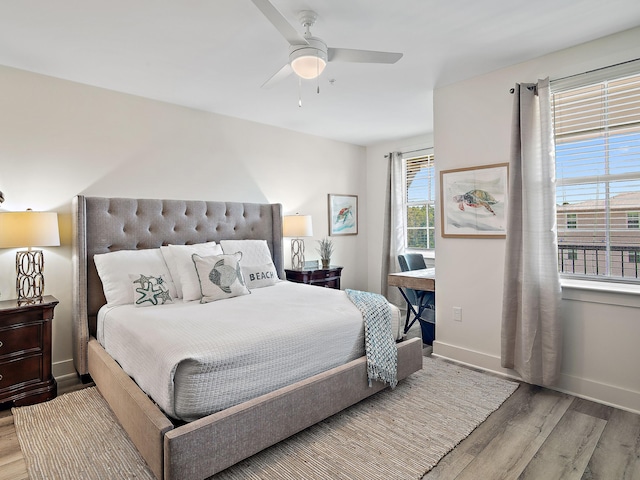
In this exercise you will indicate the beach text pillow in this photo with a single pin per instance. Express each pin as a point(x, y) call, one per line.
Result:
point(260, 275)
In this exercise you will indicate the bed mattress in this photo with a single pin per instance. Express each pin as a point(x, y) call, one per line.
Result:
point(195, 359)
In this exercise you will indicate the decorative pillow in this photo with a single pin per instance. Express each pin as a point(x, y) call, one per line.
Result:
point(187, 278)
point(150, 290)
point(220, 276)
point(260, 275)
point(254, 252)
point(114, 269)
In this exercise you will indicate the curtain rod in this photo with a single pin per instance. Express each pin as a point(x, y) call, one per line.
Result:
point(588, 72)
point(411, 151)
point(531, 88)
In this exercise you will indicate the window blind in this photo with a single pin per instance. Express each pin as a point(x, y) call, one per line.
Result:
point(420, 185)
point(596, 120)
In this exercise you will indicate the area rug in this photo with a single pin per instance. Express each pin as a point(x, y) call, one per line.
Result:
point(396, 434)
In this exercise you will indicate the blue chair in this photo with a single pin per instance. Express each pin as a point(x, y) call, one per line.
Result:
point(424, 301)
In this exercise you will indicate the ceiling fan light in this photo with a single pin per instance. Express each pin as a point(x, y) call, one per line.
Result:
point(308, 66)
point(308, 61)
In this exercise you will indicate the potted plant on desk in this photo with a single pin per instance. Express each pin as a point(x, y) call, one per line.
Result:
point(325, 250)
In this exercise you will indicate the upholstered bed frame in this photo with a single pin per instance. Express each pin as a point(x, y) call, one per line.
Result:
point(206, 446)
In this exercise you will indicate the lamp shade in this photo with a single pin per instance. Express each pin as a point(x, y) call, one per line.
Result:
point(297, 226)
point(29, 229)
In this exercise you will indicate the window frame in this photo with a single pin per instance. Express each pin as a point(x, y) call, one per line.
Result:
point(605, 79)
point(428, 156)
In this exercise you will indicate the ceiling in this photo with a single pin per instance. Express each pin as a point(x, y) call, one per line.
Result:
point(214, 55)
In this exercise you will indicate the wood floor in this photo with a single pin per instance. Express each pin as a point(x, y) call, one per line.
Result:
point(545, 435)
point(536, 434)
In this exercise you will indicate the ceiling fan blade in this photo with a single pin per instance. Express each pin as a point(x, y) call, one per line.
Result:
point(361, 56)
point(281, 74)
point(282, 25)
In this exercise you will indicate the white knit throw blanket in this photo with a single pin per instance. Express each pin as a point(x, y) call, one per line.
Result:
point(380, 346)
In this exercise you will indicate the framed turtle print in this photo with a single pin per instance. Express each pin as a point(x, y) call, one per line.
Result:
point(474, 201)
point(343, 214)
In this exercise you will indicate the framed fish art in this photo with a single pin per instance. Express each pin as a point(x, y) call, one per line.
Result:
point(474, 201)
point(343, 214)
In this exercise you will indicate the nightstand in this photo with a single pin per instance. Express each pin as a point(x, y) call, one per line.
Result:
point(25, 352)
point(323, 277)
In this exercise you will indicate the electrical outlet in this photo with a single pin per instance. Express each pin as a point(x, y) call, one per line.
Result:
point(457, 314)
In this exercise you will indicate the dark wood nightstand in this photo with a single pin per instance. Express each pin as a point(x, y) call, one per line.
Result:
point(323, 277)
point(25, 352)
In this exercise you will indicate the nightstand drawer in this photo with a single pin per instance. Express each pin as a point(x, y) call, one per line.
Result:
point(323, 274)
point(333, 283)
point(322, 277)
point(18, 372)
point(20, 340)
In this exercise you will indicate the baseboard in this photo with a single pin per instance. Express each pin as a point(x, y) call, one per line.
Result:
point(580, 387)
point(64, 370)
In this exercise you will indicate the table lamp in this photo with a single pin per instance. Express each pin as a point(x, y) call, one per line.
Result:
point(297, 226)
point(29, 229)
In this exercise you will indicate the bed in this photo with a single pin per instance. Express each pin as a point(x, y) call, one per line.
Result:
point(207, 445)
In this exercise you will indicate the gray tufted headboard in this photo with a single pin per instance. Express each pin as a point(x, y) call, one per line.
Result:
point(104, 225)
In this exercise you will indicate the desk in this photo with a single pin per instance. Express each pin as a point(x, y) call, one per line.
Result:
point(423, 280)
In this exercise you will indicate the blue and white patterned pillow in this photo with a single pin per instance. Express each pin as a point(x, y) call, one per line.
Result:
point(150, 290)
point(220, 276)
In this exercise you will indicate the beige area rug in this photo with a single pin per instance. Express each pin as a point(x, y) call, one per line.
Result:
point(396, 434)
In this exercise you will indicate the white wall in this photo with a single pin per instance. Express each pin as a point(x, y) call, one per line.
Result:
point(601, 330)
point(59, 139)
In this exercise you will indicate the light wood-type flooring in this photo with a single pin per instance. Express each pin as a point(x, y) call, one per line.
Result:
point(536, 434)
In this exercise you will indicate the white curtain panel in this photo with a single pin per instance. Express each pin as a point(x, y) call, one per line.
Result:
point(531, 325)
point(394, 220)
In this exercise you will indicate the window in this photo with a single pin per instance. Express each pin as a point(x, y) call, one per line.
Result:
point(597, 136)
point(419, 181)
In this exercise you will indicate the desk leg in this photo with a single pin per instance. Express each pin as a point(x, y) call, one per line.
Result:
point(416, 315)
point(410, 310)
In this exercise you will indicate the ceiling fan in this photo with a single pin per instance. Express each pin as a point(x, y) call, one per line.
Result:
point(308, 55)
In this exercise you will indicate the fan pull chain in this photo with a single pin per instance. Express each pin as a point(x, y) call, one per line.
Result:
point(317, 73)
point(299, 92)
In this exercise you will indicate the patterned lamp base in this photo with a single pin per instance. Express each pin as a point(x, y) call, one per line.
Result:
point(297, 253)
point(30, 279)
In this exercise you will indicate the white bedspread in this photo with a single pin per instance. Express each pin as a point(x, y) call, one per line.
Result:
point(194, 359)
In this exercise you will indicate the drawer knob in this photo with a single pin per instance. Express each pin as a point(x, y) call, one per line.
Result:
point(1, 343)
point(0, 377)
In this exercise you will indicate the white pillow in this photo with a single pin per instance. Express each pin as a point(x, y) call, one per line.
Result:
point(260, 275)
point(220, 276)
point(203, 248)
point(186, 273)
point(150, 290)
point(114, 269)
point(254, 252)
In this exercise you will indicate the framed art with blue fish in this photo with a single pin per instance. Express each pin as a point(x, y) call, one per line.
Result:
point(343, 214)
point(474, 201)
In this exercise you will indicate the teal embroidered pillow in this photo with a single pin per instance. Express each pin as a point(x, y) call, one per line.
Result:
point(220, 276)
point(150, 290)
